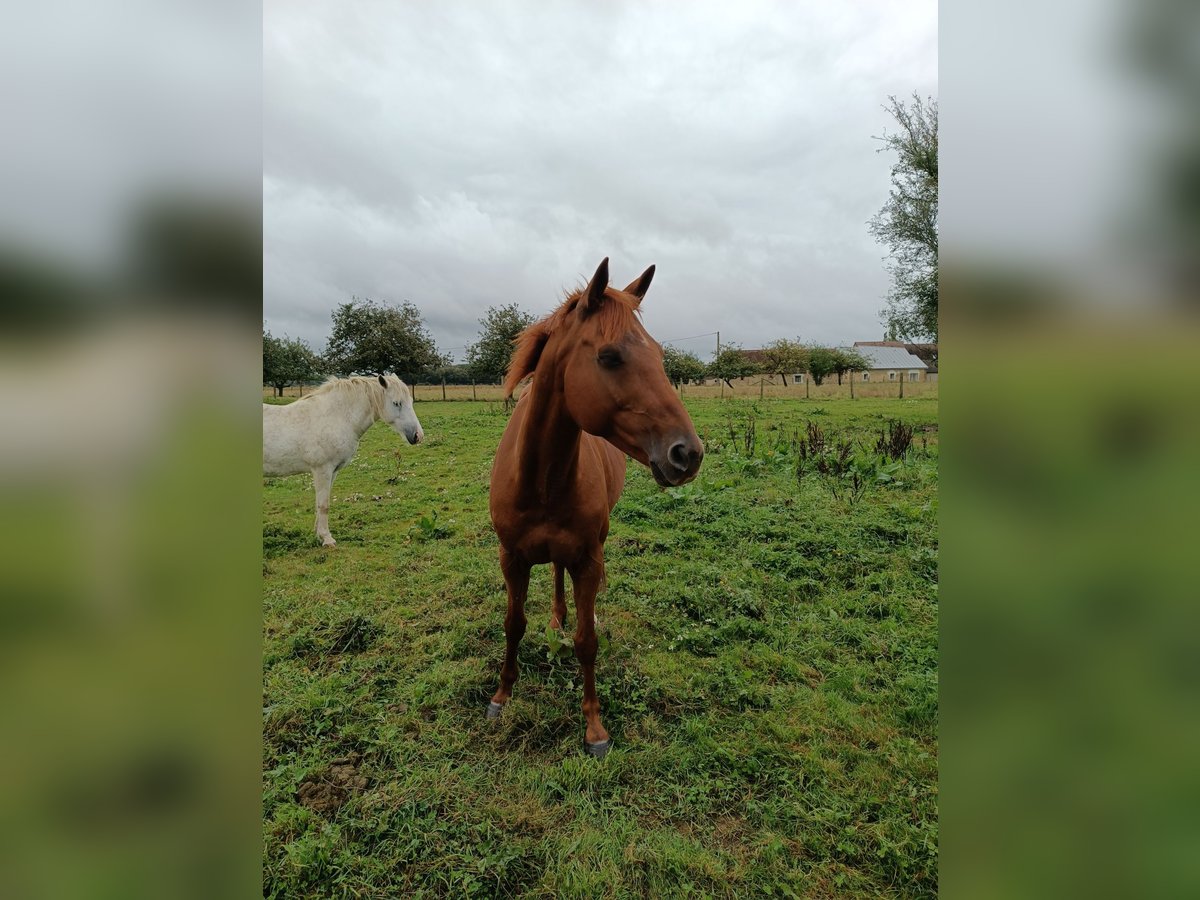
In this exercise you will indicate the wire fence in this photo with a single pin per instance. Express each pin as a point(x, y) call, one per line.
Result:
point(750, 389)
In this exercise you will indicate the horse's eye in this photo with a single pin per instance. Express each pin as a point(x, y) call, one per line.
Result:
point(609, 357)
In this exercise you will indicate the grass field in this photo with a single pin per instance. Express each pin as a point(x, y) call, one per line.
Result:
point(770, 680)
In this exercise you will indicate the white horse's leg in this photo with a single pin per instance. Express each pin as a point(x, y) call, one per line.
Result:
point(322, 483)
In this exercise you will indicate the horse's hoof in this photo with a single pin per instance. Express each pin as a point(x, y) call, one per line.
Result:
point(493, 709)
point(598, 750)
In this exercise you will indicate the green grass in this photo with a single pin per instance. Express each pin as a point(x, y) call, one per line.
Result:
point(770, 682)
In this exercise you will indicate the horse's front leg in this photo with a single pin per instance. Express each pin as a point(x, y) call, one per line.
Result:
point(322, 484)
point(588, 577)
point(516, 578)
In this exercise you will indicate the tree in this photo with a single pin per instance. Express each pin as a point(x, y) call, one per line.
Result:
point(731, 363)
point(373, 338)
point(907, 223)
point(288, 361)
point(488, 357)
point(271, 355)
point(848, 360)
point(682, 366)
point(822, 362)
point(452, 373)
point(784, 358)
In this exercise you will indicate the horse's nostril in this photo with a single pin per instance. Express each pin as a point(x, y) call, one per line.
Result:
point(680, 456)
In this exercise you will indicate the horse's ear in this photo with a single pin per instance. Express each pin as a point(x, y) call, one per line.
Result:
point(383, 381)
point(593, 294)
point(641, 284)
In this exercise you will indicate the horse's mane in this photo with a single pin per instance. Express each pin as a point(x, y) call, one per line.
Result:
point(366, 384)
point(616, 316)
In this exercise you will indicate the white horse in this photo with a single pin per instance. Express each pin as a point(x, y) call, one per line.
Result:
point(320, 432)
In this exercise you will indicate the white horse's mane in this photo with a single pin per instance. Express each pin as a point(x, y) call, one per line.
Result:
point(364, 384)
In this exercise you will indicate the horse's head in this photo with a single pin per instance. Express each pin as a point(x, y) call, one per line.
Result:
point(398, 409)
point(613, 381)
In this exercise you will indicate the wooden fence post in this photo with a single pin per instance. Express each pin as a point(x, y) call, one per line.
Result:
point(443, 387)
point(901, 385)
point(473, 397)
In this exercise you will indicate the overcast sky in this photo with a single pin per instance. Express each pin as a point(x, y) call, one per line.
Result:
point(466, 154)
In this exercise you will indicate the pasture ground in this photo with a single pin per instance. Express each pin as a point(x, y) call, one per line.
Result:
point(770, 679)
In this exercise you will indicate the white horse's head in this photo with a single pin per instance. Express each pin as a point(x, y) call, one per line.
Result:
point(398, 409)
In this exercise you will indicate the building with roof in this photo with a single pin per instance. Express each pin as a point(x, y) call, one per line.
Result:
point(889, 362)
point(888, 359)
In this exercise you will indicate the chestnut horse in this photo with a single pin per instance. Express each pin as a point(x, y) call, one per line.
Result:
point(599, 392)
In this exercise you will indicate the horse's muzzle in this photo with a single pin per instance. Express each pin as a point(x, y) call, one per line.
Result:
point(680, 464)
point(414, 437)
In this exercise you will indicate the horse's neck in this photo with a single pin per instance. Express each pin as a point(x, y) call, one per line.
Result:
point(359, 407)
point(549, 442)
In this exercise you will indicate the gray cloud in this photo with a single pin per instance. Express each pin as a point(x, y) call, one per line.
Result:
point(463, 155)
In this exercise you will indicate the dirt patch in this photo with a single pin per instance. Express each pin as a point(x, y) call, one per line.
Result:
point(325, 793)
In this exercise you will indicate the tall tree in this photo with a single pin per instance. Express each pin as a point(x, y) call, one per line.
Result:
point(372, 338)
point(288, 361)
point(784, 358)
point(488, 357)
point(907, 224)
point(270, 359)
point(731, 363)
point(682, 365)
point(848, 360)
point(822, 362)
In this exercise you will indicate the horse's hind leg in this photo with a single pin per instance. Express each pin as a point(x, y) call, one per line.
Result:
point(516, 578)
point(322, 483)
point(558, 612)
